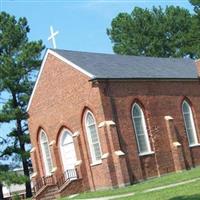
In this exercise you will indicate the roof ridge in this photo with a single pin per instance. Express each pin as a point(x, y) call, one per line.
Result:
point(120, 55)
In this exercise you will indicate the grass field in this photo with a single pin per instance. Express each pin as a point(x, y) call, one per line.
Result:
point(189, 191)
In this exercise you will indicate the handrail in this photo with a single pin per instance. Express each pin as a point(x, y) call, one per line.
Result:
point(68, 175)
point(48, 180)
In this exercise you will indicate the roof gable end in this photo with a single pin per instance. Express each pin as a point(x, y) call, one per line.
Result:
point(49, 51)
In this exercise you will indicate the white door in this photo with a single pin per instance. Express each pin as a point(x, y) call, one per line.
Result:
point(68, 154)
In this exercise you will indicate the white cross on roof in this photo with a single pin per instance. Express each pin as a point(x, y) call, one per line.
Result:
point(52, 37)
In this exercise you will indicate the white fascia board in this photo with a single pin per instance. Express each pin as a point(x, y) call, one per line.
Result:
point(49, 51)
point(71, 64)
point(38, 77)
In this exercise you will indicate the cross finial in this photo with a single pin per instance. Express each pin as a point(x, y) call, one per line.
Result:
point(52, 37)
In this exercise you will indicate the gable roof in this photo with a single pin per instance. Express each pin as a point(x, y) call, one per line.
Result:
point(112, 66)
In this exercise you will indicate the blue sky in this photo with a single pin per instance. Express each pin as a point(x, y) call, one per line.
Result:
point(81, 23)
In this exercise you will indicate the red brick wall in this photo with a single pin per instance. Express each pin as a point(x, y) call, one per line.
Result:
point(158, 99)
point(60, 99)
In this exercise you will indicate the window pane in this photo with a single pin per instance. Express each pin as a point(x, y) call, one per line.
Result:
point(138, 126)
point(43, 137)
point(189, 123)
point(90, 119)
point(97, 151)
point(93, 134)
point(49, 164)
point(46, 149)
point(191, 137)
point(136, 111)
point(186, 108)
point(142, 143)
point(47, 156)
point(46, 153)
point(140, 129)
point(93, 137)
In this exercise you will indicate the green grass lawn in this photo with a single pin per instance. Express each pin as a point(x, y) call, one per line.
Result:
point(189, 191)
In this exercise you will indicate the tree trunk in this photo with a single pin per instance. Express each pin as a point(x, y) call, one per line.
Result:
point(20, 135)
point(24, 160)
point(1, 191)
point(28, 183)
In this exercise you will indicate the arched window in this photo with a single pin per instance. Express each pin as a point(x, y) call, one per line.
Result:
point(46, 155)
point(189, 123)
point(140, 130)
point(93, 137)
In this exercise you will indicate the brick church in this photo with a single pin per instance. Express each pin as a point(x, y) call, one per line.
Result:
point(102, 121)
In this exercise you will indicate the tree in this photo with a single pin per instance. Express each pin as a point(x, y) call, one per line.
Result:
point(194, 34)
point(19, 61)
point(156, 32)
point(3, 168)
point(8, 177)
point(196, 4)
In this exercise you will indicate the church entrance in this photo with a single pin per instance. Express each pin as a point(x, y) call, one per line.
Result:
point(68, 154)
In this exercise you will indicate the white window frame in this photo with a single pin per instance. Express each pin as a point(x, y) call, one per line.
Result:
point(149, 151)
point(91, 147)
point(192, 124)
point(47, 171)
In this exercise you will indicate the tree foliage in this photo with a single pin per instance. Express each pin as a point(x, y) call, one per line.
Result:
point(9, 177)
point(195, 31)
point(19, 60)
point(196, 4)
point(156, 32)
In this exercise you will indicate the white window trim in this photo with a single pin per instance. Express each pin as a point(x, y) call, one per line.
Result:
point(146, 153)
point(195, 145)
point(91, 147)
point(47, 172)
point(145, 132)
point(96, 163)
point(193, 124)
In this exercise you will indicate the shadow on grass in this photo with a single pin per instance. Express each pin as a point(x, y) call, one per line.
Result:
point(192, 197)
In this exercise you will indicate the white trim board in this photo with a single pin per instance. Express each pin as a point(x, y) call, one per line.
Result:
point(49, 51)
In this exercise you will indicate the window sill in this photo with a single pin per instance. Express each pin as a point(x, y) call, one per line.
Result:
point(194, 145)
point(147, 153)
point(96, 163)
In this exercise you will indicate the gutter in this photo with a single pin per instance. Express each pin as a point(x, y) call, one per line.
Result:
point(144, 79)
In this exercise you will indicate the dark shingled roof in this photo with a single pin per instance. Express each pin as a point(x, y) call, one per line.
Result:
point(112, 66)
